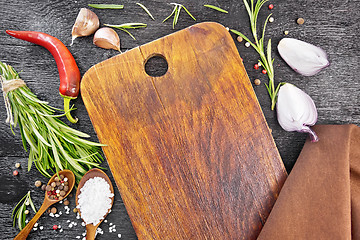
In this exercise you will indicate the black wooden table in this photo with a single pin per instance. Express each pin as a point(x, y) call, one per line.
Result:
point(332, 25)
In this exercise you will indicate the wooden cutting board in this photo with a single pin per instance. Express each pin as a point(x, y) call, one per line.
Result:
point(190, 151)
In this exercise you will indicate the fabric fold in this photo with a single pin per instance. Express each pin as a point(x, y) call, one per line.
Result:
point(321, 196)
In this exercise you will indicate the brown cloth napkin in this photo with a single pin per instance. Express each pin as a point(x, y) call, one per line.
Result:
point(321, 197)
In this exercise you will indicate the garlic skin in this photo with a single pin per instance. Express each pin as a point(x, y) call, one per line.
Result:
point(296, 111)
point(303, 57)
point(86, 23)
point(107, 38)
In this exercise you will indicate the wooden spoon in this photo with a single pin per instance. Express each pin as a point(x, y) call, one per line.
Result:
point(46, 204)
point(95, 172)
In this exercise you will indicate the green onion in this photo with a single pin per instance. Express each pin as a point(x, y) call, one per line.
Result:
point(258, 44)
point(53, 145)
point(216, 8)
point(125, 26)
point(106, 6)
point(176, 13)
point(146, 10)
point(19, 211)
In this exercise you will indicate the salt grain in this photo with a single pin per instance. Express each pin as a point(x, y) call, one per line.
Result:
point(41, 227)
point(94, 200)
point(119, 235)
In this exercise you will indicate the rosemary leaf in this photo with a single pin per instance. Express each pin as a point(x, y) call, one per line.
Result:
point(125, 26)
point(216, 8)
point(176, 13)
point(18, 213)
point(258, 45)
point(106, 6)
point(146, 10)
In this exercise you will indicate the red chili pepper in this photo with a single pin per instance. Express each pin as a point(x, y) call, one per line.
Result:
point(68, 70)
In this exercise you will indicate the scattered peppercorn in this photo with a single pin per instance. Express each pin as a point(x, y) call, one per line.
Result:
point(286, 32)
point(256, 66)
point(55, 227)
point(271, 6)
point(247, 44)
point(53, 210)
point(26, 212)
point(264, 71)
point(300, 21)
point(66, 202)
point(239, 39)
point(38, 183)
point(271, 19)
point(257, 82)
point(17, 165)
point(75, 210)
point(43, 187)
point(15, 173)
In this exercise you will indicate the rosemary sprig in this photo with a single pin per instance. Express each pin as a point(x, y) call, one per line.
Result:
point(146, 10)
point(216, 8)
point(176, 13)
point(18, 214)
point(53, 146)
point(258, 44)
point(125, 26)
point(106, 6)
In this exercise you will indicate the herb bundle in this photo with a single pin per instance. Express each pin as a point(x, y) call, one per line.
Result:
point(258, 44)
point(19, 213)
point(54, 146)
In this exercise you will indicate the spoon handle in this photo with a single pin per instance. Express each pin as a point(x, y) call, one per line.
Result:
point(26, 230)
point(90, 232)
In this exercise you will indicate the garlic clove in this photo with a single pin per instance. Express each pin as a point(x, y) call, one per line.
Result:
point(296, 111)
point(86, 23)
point(107, 38)
point(303, 57)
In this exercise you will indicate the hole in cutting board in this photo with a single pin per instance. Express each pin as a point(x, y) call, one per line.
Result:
point(156, 66)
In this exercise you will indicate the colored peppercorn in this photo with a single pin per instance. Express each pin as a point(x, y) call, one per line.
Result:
point(271, 6)
point(257, 82)
point(264, 71)
point(256, 66)
point(15, 173)
point(55, 227)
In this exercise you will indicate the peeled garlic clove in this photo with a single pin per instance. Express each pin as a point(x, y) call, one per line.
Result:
point(296, 111)
point(86, 23)
point(303, 57)
point(107, 38)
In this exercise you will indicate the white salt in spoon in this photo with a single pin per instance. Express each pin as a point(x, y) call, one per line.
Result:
point(90, 228)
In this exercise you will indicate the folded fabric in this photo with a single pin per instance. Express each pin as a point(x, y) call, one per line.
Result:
point(321, 197)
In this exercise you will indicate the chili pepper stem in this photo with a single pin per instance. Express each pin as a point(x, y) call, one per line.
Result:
point(67, 110)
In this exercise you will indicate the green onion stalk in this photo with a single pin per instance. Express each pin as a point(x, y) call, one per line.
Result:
point(258, 44)
point(52, 145)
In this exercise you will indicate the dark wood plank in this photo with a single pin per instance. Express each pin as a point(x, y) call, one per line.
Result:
point(333, 25)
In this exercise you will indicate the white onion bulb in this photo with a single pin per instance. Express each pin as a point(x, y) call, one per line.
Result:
point(303, 57)
point(296, 111)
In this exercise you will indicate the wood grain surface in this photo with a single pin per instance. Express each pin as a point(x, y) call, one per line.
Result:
point(190, 151)
point(332, 25)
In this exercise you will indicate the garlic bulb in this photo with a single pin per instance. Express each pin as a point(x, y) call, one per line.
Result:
point(86, 24)
point(107, 38)
point(296, 111)
point(303, 57)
